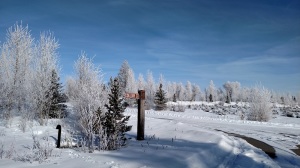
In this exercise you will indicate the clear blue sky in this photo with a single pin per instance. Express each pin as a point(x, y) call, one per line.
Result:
point(197, 40)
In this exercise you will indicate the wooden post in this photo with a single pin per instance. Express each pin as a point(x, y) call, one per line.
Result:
point(141, 115)
point(58, 136)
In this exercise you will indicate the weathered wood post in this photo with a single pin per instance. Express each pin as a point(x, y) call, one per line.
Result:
point(141, 115)
point(58, 136)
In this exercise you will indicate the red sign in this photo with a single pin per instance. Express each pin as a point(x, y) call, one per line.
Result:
point(132, 95)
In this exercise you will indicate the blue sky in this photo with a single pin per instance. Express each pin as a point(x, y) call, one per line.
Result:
point(196, 40)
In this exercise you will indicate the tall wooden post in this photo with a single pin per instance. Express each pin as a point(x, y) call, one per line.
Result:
point(141, 115)
point(58, 136)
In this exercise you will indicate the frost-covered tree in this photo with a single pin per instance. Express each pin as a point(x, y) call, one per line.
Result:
point(16, 70)
point(220, 94)
point(123, 76)
point(244, 94)
point(232, 90)
point(180, 92)
point(171, 90)
point(115, 122)
point(298, 98)
point(87, 94)
point(45, 74)
point(130, 84)
point(196, 93)
point(260, 104)
point(188, 91)
point(211, 92)
point(150, 90)
point(160, 99)
point(141, 82)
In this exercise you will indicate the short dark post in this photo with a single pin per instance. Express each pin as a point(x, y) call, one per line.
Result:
point(141, 115)
point(59, 135)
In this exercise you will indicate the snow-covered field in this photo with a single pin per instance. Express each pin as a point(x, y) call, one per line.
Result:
point(173, 139)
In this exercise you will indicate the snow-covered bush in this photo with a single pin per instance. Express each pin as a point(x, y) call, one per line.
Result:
point(38, 152)
point(177, 107)
point(260, 104)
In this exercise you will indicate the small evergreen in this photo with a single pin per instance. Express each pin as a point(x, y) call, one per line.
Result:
point(54, 97)
point(115, 123)
point(174, 98)
point(210, 98)
point(160, 99)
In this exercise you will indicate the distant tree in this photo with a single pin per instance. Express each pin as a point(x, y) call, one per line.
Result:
point(188, 91)
point(210, 98)
point(123, 76)
point(170, 90)
point(260, 104)
point(180, 92)
point(115, 122)
point(174, 98)
point(211, 92)
point(131, 87)
point(196, 93)
point(150, 90)
point(160, 98)
point(130, 84)
point(141, 82)
point(232, 90)
point(221, 95)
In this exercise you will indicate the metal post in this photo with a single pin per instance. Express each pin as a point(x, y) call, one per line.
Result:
point(141, 115)
point(58, 136)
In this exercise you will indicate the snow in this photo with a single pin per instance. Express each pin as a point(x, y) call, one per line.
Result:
point(193, 138)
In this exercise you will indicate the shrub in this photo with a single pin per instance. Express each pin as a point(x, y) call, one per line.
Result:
point(260, 106)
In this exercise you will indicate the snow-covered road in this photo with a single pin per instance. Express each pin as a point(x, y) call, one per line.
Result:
point(282, 133)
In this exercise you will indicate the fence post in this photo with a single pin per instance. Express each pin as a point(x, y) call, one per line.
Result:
point(58, 136)
point(141, 115)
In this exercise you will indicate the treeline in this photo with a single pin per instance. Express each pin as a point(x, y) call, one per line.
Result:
point(231, 91)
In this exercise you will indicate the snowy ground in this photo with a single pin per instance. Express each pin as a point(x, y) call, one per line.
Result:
point(173, 139)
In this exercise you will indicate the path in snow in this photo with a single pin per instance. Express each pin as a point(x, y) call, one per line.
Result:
point(268, 149)
point(297, 151)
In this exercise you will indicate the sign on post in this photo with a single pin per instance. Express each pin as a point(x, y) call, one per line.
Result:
point(132, 95)
point(141, 112)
